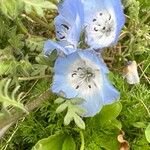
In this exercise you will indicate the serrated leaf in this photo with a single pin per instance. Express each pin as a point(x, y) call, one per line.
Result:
point(79, 122)
point(147, 133)
point(7, 100)
point(7, 67)
point(69, 144)
point(61, 108)
point(11, 8)
point(38, 6)
point(110, 112)
point(53, 142)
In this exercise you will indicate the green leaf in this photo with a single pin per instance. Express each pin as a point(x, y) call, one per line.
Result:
point(38, 6)
point(68, 118)
point(61, 108)
point(11, 8)
point(116, 123)
point(139, 125)
point(147, 133)
point(110, 112)
point(69, 144)
point(53, 142)
point(7, 67)
point(79, 122)
point(8, 100)
point(59, 100)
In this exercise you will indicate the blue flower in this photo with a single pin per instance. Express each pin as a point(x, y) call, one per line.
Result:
point(104, 20)
point(69, 22)
point(83, 74)
point(68, 26)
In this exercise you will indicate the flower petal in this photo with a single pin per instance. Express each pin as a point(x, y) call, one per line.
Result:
point(92, 104)
point(109, 92)
point(49, 46)
point(97, 59)
point(103, 22)
point(61, 87)
point(69, 21)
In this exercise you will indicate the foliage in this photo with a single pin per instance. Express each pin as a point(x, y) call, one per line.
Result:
point(56, 142)
point(24, 26)
point(7, 100)
point(73, 111)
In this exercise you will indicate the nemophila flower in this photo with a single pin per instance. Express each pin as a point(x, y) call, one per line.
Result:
point(83, 74)
point(69, 22)
point(104, 20)
point(68, 26)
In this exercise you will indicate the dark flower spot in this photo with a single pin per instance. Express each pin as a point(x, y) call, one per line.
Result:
point(79, 68)
point(94, 20)
point(77, 86)
point(104, 28)
point(73, 74)
point(89, 86)
point(65, 26)
point(62, 37)
point(95, 29)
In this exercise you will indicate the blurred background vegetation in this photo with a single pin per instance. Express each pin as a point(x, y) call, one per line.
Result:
point(25, 74)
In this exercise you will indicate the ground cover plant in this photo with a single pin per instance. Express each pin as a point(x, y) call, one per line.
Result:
point(37, 113)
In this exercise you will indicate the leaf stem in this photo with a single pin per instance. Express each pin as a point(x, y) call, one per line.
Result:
point(33, 78)
point(82, 140)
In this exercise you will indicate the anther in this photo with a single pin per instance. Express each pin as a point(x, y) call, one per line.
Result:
point(89, 86)
point(95, 29)
point(79, 68)
point(104, 28)
point(73, 74)
point(100, 14)
point(77, 86)
point(94, 20)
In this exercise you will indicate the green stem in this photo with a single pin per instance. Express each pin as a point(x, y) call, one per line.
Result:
point(82, 140)
point(33, 78)
point(21, 26)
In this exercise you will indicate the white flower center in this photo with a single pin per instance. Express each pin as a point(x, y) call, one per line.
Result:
point(103, 23)
point(85, 76)
point(101, 28)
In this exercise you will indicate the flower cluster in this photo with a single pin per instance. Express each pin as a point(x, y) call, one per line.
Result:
point(82, 72)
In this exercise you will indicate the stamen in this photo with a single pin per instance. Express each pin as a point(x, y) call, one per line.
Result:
point(77, 86)
point(104, 28)
point(89, 86)
point(73, 74)
point(79, 68)
point(109, 17)
point(94, 20)
point(95, 29)
point(100, 14)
